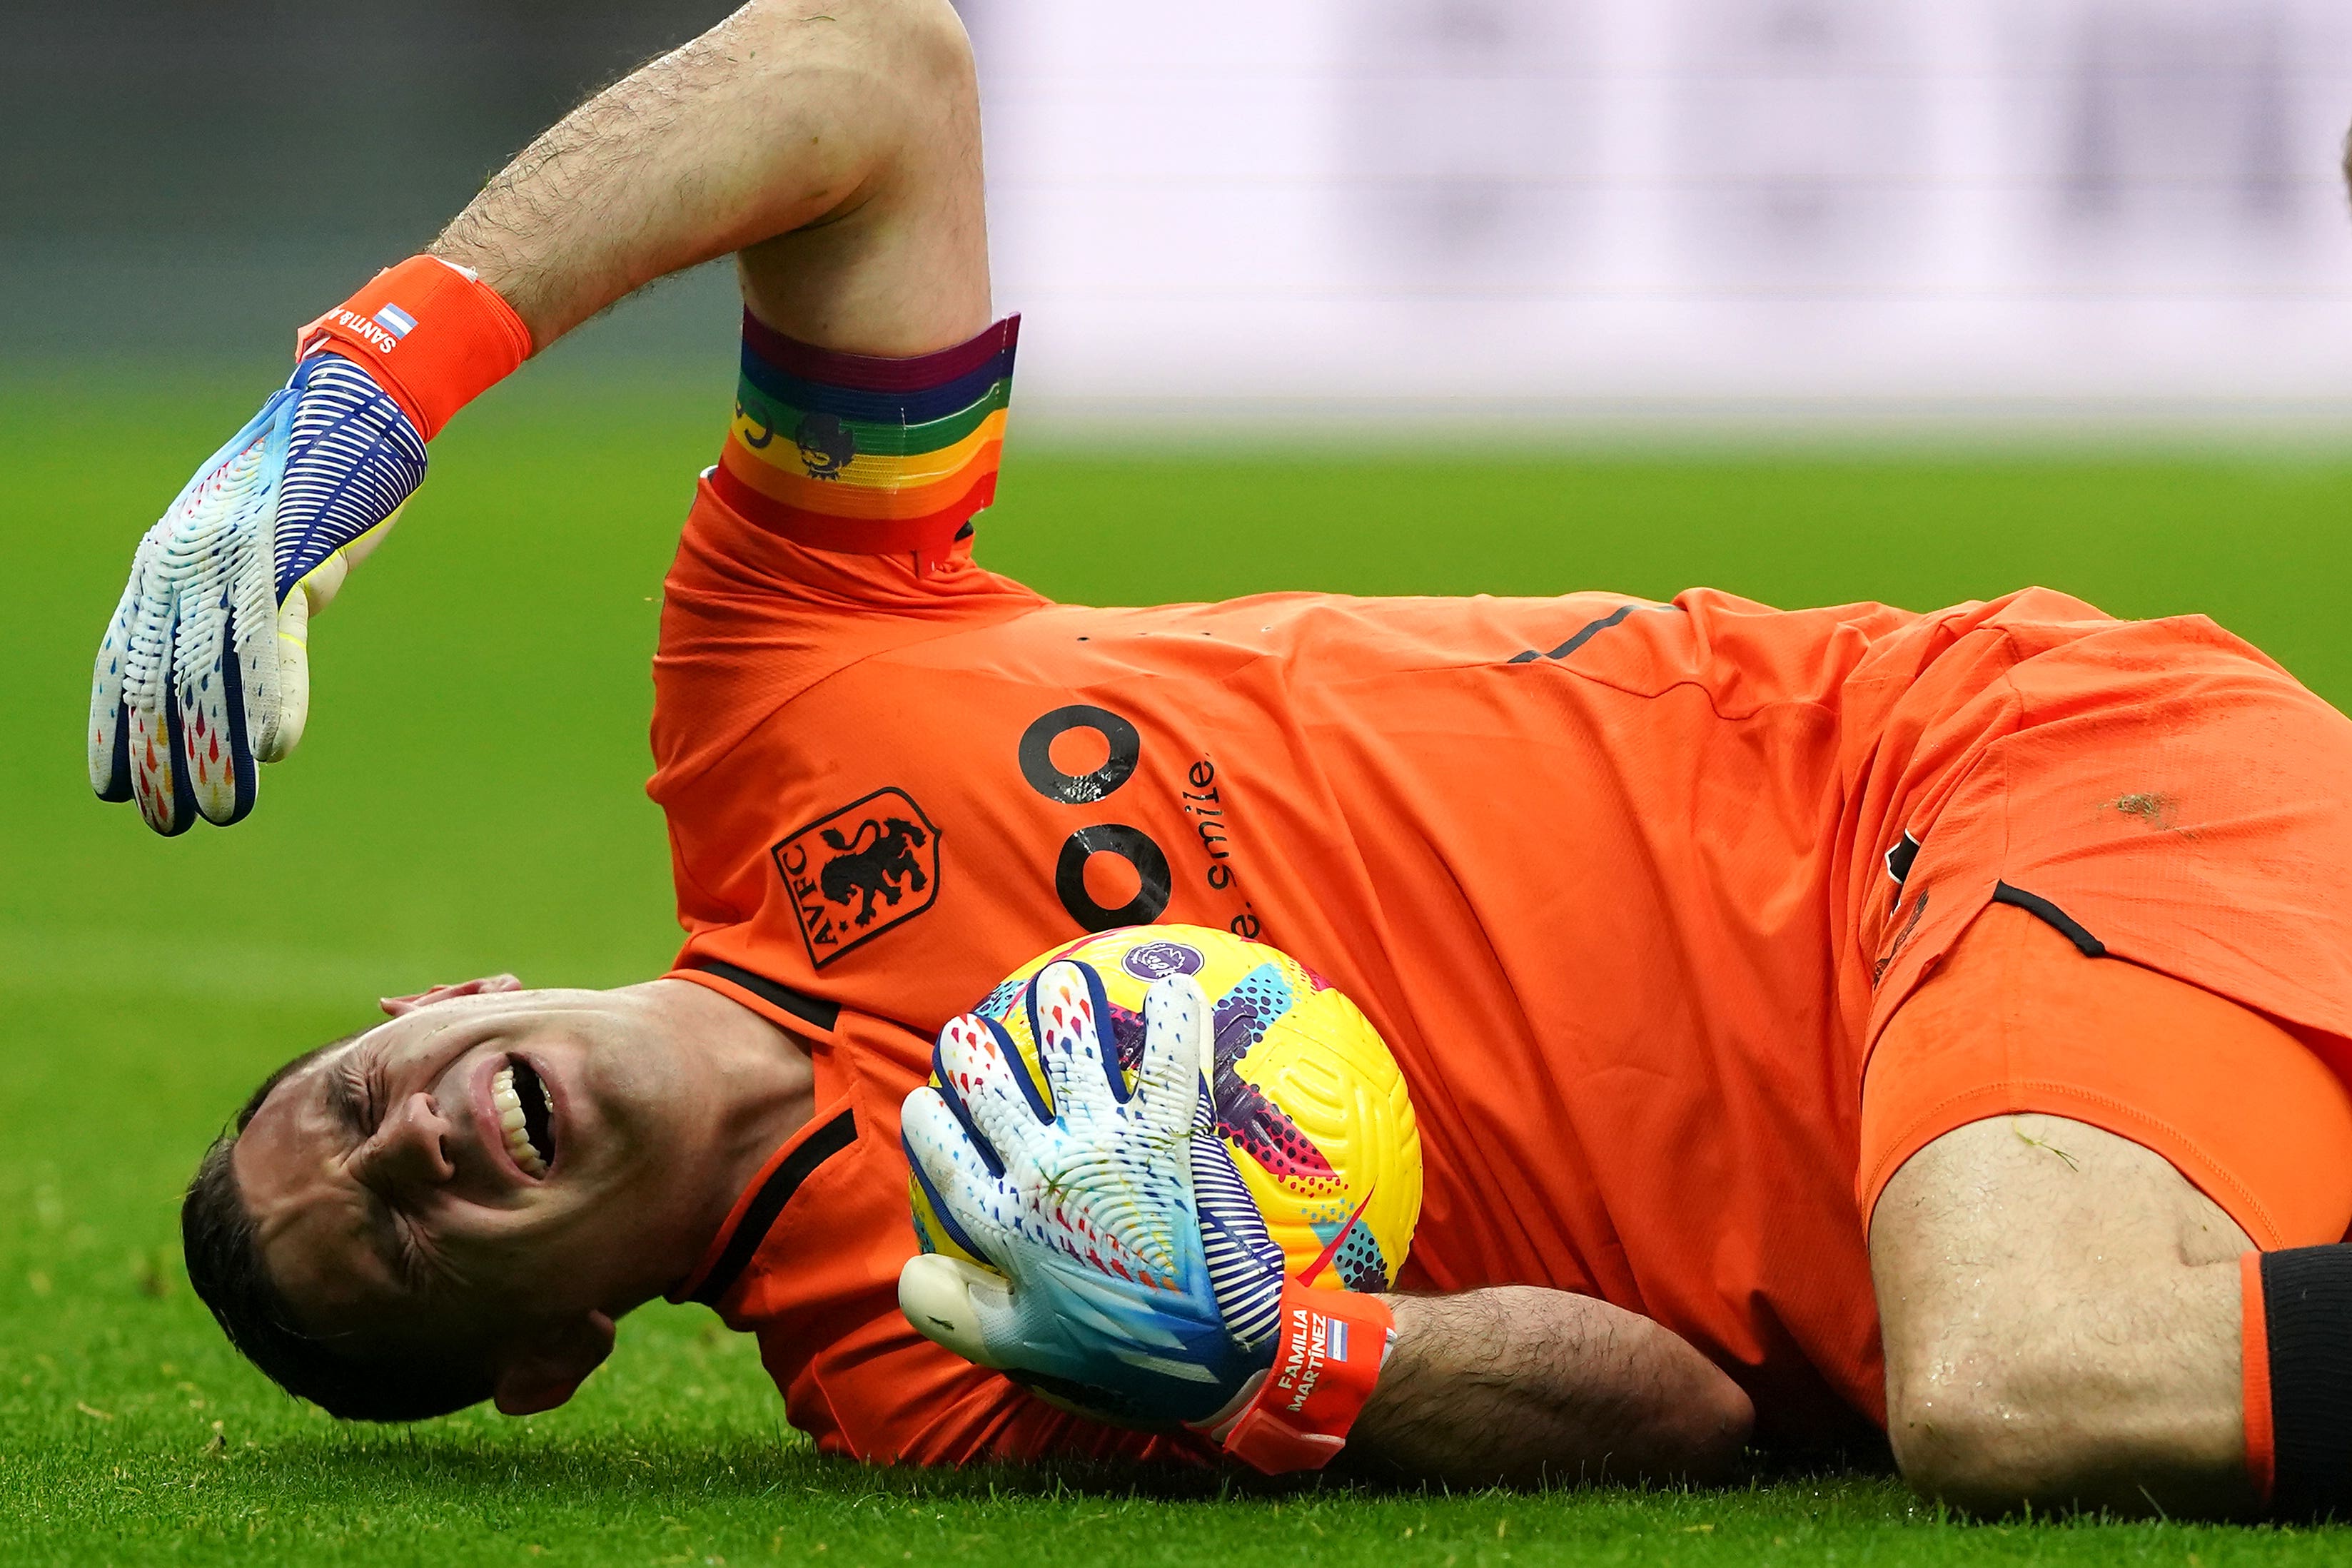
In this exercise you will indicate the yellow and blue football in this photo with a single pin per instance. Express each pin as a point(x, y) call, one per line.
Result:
point(1306, 1093)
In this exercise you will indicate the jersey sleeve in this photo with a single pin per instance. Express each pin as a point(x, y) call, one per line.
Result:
point(884, 1395)
point(751, 619)
point(819, 1285)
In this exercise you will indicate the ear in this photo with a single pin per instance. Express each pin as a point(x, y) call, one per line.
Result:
point(396, 1007)
point(543, 1371)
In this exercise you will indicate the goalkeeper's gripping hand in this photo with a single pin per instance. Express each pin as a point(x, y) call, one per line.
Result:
point(1129, 1275)
point(204, 672)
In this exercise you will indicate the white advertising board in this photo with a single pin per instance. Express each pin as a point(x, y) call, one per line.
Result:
point(1633, 207)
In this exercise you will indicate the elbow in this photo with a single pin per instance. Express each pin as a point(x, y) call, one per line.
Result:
point(1696, 1438)
point(918, 47)
point(1967, 1425)
point(1974, 1449)
point(1690, 1426)
point(1714, 1431)
point(1989, 1435)
point(939, 47)
point(1694, 1423)
point(847, 101)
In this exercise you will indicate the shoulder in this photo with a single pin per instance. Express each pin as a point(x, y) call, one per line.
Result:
point(750, 621)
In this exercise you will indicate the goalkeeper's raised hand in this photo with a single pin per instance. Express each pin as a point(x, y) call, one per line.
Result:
point(1129, 1274)
point(203, 672)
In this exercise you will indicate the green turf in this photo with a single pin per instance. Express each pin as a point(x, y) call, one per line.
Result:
point(469, 800)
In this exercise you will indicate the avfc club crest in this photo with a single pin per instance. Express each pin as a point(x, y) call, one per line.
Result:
point(826, 444)
point(873, 864)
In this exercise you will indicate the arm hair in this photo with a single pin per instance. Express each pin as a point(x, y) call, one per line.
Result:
point(1525, 1385)
point(788, 116)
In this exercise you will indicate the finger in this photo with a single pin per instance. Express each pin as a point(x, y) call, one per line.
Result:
point(279, 737)
point(1246, 1266)
point(955, 1305)
point(970, 1204)
point(224, 653)
point(397, 1006)
point(313, 594)
point(158, 767)
point(109, 722)
point(959, 1071)
point(326, 579)
point(1067, 1017)
point(218, 755)
point(143, 654)
point(1171, 1077)
point(932, 1231)
point(988, 1087)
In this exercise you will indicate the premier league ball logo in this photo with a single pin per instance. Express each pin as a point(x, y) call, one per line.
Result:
point(1158, 960)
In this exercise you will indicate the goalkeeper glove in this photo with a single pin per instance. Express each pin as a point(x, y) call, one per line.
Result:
point(204, 672)
point(1132, 1275)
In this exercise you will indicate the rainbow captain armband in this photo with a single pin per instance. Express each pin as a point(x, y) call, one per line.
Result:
point(869, 457)
point(1326, 1364)
point(429, 332)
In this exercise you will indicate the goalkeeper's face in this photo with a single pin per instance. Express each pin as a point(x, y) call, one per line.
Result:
point(492, 1177)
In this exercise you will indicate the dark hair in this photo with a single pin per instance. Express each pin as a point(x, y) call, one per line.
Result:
point(225, 1266)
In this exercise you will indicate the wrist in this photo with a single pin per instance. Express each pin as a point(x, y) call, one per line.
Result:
point(430, 332)
point(1297, 1414)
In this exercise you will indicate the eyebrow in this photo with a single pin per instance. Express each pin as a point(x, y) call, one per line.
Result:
point(383, 1245)
point(343, 1099)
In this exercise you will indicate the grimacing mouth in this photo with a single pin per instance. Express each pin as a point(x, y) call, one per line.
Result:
point(525, 1115)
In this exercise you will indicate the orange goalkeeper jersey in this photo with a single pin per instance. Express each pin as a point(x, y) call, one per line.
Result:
point(1629, 888)
point(1586, 863)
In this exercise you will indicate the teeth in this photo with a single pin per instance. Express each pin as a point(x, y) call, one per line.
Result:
point(508, 1105)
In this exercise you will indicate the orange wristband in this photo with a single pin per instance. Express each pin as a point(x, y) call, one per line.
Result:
point(1326, 1365)
point(434, 336)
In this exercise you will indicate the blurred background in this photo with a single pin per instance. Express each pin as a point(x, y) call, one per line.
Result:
point(1559, 210)
point(1810, 300)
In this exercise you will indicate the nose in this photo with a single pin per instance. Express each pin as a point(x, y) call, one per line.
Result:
point(410, 1149)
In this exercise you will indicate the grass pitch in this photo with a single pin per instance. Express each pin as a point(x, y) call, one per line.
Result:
point(469, 800)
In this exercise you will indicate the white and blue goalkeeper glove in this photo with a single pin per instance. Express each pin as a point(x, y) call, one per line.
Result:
point(205, 672)
point(1131, 1276)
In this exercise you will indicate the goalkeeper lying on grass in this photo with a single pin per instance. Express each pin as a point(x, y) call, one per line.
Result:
point(1818, 1021)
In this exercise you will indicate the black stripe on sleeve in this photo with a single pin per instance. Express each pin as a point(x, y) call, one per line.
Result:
point(2051, 915)
point(760, 1217)
point(1578, 640)
point(808, 1009)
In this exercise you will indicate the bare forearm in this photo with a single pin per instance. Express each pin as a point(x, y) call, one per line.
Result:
point(1518, 1383)
point(789, 116)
